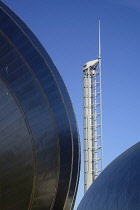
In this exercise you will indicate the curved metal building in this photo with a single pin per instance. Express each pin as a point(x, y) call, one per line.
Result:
point(118, 186)
point(39, 142)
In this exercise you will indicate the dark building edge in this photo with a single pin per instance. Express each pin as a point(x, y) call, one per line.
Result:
point(40, 48)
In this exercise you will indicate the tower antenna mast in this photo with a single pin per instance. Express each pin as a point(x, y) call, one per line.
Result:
point(93, 155)
point(99, 40)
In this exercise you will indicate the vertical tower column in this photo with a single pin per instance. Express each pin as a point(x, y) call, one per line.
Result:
point(87, 129)
point(92, 123)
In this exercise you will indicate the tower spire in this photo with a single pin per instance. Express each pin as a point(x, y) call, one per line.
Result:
point(99, 56)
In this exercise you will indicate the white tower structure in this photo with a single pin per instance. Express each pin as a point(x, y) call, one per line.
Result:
point(93, 155)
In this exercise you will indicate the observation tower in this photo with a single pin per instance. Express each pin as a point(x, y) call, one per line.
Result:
point(93, 155)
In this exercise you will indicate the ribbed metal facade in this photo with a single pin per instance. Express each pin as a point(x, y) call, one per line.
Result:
point(39, 141)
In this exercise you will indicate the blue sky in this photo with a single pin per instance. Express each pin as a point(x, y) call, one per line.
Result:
point(68, 29)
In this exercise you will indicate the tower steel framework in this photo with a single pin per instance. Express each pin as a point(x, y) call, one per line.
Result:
point(93, 155)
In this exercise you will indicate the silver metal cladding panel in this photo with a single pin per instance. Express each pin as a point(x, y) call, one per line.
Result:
point(118, 186)
point(39, 121)
point(16, 155)
point(41, 97)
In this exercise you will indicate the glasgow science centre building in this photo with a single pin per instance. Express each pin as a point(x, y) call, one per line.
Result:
point(39, 141)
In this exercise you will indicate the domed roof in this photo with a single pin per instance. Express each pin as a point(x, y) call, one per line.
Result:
point(118, 186)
